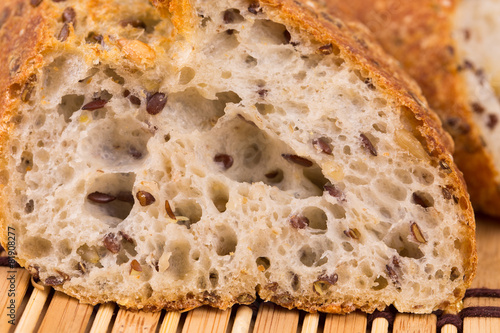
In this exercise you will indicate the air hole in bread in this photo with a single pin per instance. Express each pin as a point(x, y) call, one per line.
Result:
point(269, 32)
point(187, 212)
point(316, 177)
point(25, 163)
point(122, 258)
point(115, 144)
point(347, 246)
point(115, 185)
point(423, 176)
point(423, 199)
point(380, 283)
point(222, 43)
point(36, 246)
point(403, 242)
point(250, 61)
point(380, 127)
point(213, 277)
point(358, 166)
point(219, 194)
point(390, 189)
point(263, 263)
point(317, 218)
point(226, 240)
point(179, 263)
point(231, 16)
point(65, 247)
point(40, 121)
point(195, 255)
point(338, 211)
point(347, 150)
point(403, 176)
point(114, 76)
point(186, 75)
point(274, 176)
point(265, 109)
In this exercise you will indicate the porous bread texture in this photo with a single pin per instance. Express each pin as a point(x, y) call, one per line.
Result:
point(477, 31)
point(288, 171)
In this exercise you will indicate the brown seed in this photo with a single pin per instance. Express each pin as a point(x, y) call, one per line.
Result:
point(145, 198)
point(352, 233)
point(126, 236)
point(421, 200)
point(392, 274)
point(446, 193)
point(82, 267)
point(54, 281)
point(64, 33)
point(135, 23)
point(263, 93)
point(170, 213)
point(477, 108)
point(368, 144)
point(299, 222)
point(324, 282)
point(28, 88)
point(335, 192)
point(395, 262)
point(224, 160)
point(492, 121)
point(417, 233)
point(69, 15)
point(95, 104)
point(125, 197)
point(100, 197)
point(297, 160)
point(444, 166)
point(135, 100)
point(254, 8)
point(156, 103)
point(35, 3)
point(111, 243)
point(322, 145)
point(65, 276)
point(135, 266)
point(326, 49)
point(330, 279)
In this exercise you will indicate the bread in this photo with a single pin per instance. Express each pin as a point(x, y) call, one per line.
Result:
point(427, 37)
point(208, 152)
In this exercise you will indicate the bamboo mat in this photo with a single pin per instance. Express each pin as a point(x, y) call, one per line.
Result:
point(47, 311)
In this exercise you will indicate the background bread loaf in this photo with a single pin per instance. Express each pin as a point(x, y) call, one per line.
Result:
point(223, 151)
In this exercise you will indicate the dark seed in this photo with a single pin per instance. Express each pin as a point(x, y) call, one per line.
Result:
point(455, 274)
point(125, 197)
point(224, 160)
point(95, 105)
point(135, 23)
point(35, 3)
point(421, 201)
point(54, 281)
point(134, 265)
point(230, 31)
point(330, 279)
point(326, 49)
point(322, 145)
point(64, 33)
point(352, 233)
point(126, 237)
point(297, 160)
point(395, 262)
point(145, 198)
point(170, 213)
point(135, 100)
point(30, 206)
point(392, 274)
point(446, 193)
point(228, 17)
point(132, 151)
point(444, 166)
point(111, 243)
point(28, 88)
point(254, 8)
point(69, 15)
point(492, 121)
point(100, 197)
point(82, 267)
point(478, 108)
point(368, 144)
point(417, 233)
point(299, 222)
point(334, 191)
point(262, 93)
point(369, 83)
point(156, 103)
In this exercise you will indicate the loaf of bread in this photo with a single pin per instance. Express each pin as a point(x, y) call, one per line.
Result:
point(190, 152)
point(451, 49)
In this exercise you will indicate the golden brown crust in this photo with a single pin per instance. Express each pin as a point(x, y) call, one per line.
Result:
point(355, 45)
point(419, 35)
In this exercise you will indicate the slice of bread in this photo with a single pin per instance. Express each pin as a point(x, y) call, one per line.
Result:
point(208, 152)
point(447, 46)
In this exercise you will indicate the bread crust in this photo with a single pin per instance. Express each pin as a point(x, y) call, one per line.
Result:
point(419, 35)
point(353, 42)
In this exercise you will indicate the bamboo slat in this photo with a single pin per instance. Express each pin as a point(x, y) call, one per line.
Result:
point(65, 314)
point(33, 310)
point(412, 323)
point(380, 325)
point(243, 320)
point(135, 322)
point(274, 319)
point(20, 279)
point(352, 323)
point(311, 323)
point(103, 318)
point(170, 322)
point(206, 319)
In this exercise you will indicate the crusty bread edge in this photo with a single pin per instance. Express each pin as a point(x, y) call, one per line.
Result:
point(355, 45)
